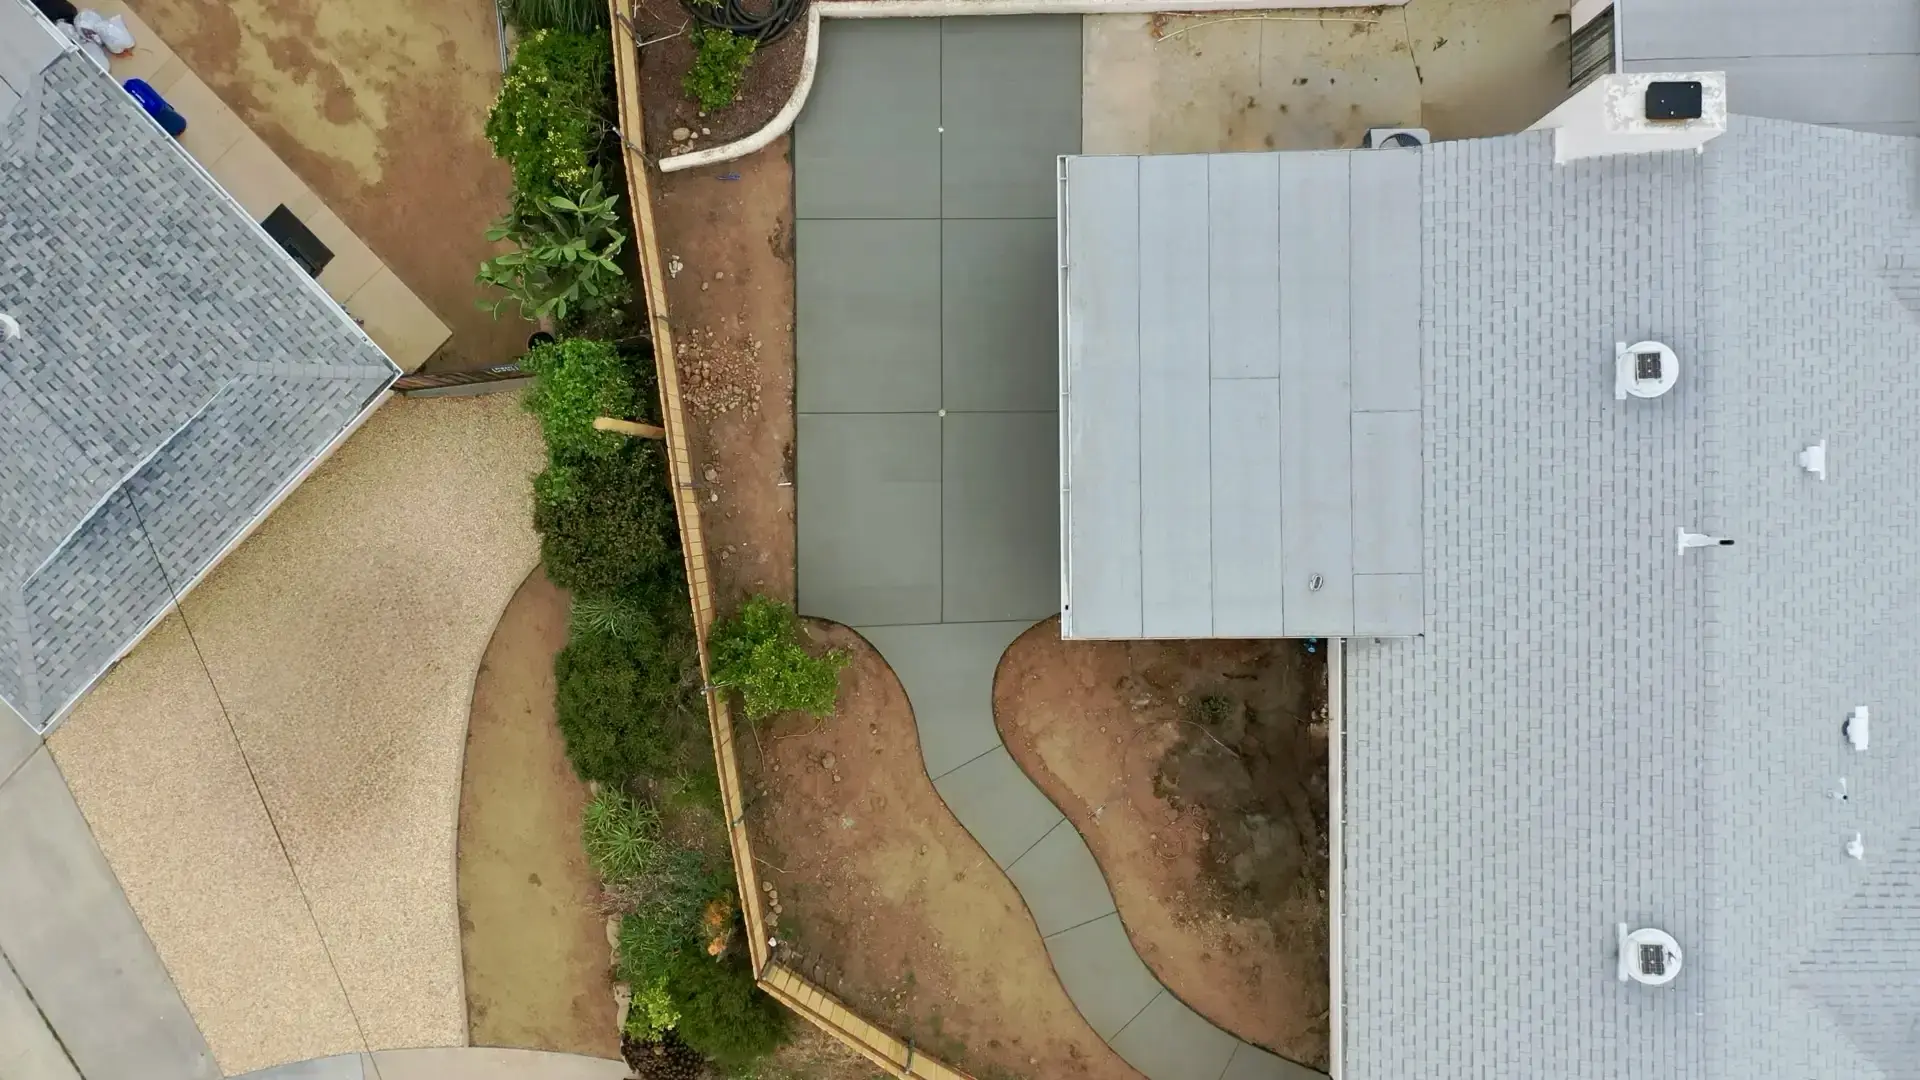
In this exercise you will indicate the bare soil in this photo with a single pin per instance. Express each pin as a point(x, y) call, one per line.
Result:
point(769, 82)
point(380, 107)
point(1197, 771)
point(532, 934)
point(728, 245)
point(883, 899)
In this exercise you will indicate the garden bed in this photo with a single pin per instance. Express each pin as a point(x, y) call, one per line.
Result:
point(883, 899)
point(1197, 771)
point(664, 62)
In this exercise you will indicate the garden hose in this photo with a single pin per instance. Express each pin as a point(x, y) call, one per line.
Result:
point(765, 21)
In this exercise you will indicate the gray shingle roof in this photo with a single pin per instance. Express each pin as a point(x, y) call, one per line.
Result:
point(1596, 729)
point(176, 372)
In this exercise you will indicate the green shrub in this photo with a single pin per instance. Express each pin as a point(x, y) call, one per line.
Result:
point(723, 1014)
point(562, 258)
point(607, 524)
point(619, 834)
point(631, 708)
point(578, 16)
point(652, 1014)
point(553, 111)
point(720, 61)
point(575, 380)
point(758, 653)
point(611, 614)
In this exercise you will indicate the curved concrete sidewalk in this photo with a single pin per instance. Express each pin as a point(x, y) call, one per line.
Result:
point(449, 1063)
point(947, 670)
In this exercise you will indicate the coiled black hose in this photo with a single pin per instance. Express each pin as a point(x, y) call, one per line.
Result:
point(765, 21)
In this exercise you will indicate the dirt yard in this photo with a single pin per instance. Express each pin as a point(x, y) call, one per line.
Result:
point(883, 899)
point(379, 106)
point(1197, 771)
point(532, 936)
point(728, 245)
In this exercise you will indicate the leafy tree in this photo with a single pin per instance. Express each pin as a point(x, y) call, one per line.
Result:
point(554, 111)
point(758, 652)
point(563, 254)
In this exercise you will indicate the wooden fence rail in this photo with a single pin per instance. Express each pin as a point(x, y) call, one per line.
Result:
point(789, 987)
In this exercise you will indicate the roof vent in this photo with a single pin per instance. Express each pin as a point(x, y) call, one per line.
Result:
point(1671, 100)
point(1814, 459)
point(1855, 727)
point(9, 327)
point(1644, 369)
point(1648, 956)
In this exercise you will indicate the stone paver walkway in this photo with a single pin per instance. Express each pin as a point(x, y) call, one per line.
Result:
point(928, 445)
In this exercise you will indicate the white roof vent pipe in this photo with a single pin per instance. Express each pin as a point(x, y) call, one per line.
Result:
point(9, 327)
point(1647, 956)
point(1814, 459)
point(1644, 369)
point(1854, 727)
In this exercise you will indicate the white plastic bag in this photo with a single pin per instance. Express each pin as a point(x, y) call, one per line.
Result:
point(112, 34)
point(88, 46)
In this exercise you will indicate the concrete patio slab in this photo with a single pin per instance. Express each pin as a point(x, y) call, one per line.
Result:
point(998, 805)
point(28, 1048)
point(947, 672)
point(1169, 1041)
point(17, 742)
point(858, 153)
point(70, 939)
point(1106, 979)
point(1059, 880)
point(1009, 100)
point(337, 1067)
point(1000, 324)
point(449, 1063)
point(869, 530)
point(1252, 1063)
point(867, 314)
point(999, 517)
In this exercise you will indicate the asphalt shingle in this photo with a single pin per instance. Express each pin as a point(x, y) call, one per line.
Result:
point(173, 360)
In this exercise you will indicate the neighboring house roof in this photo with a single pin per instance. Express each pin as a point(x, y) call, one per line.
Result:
point(1848, 63)
point(175, 375)
point(1596, 728)
point(1240, 395)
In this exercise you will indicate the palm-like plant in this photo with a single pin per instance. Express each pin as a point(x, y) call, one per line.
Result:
point(563, 257)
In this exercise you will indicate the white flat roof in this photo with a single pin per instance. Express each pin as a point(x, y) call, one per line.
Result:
point(1241, 395)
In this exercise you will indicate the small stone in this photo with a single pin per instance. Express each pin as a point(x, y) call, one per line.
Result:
point(836, 778)
point(766, 886)
point(1142, 702)
point(706, 131)
point(704, 285)
point(681, 134)
point(718, 274)
point(710, 473)
point(1103, 729)
point(923, 849)
point(826, 762)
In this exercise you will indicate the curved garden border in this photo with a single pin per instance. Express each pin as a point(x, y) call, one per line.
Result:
point(783, 120)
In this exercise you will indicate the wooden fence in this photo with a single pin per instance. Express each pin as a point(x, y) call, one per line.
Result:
point(788, 986)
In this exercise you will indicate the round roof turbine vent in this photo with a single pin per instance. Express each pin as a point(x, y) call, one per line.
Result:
point(1647, 956)
point(1644, 369)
